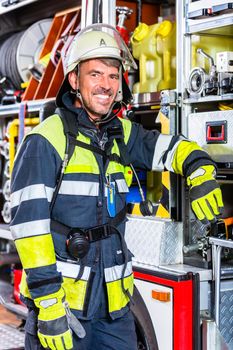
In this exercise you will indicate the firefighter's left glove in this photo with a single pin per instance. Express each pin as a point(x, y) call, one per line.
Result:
point(205, 194)
point(53, 328)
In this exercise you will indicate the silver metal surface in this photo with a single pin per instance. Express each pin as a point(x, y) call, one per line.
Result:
point(216, 259)
point(226, 311)
point(209, 98)
point(220, 152)
point(221, 242)
point(14, 6)
point(32, 106)
point(204, 274)
point(211, 337)
point(146, 99)
point(6, 295)
point(217, 245)
point(30, 45)
point(96, 11)
point(10, 337)
point(5, 232)
point(154, 241)
point(206, 24)
point(201, 4)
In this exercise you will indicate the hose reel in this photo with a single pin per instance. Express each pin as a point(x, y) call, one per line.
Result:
point(21, 50)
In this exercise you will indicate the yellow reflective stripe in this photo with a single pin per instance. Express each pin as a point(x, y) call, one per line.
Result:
point(114, 168)
point(83, 160)
point(81, 169)
point(36, 251)
point(75, 292)
point(24, 287)
point(116, 297)
point(47, 128)
point(184, 149)
point(127, 126)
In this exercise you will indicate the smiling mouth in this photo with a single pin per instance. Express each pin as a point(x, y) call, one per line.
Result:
point(103, 98)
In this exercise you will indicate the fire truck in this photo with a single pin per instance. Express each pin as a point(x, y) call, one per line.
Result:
point(183, 270)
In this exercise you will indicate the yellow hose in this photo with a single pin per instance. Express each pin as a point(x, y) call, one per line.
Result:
point(13, 133)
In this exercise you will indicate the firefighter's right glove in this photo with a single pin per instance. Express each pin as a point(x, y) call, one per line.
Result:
point(53, 328)
point(205, 194)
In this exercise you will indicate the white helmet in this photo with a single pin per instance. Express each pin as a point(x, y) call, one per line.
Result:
point(96, 41)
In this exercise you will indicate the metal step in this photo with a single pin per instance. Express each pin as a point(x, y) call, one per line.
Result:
point(11, 338)
point(19, 310)
point(6, 295)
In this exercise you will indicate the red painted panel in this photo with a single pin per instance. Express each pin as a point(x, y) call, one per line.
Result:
point(182, 308)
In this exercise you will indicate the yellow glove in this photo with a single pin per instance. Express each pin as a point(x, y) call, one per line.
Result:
point(205, 193)
point(53, 328)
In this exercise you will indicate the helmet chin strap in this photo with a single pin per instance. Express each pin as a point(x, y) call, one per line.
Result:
point(107, 116)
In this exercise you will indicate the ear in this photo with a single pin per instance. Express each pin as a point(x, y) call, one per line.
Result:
point(73, 80)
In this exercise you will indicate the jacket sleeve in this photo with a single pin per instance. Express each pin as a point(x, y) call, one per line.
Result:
point(32, 185)
point(151, 150)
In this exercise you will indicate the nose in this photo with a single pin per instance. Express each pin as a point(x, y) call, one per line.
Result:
point(105, 82)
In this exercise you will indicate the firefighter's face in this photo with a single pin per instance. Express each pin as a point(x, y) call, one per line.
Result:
point(98, 84)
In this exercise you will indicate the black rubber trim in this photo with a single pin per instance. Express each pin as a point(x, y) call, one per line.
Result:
point(203, 189)
point(38, 284)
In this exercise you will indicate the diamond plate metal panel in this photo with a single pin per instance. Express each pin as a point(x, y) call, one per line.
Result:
point(226, 311)
point(226, 316)
point(197, 131)
point(10, 337)
point(154, 241)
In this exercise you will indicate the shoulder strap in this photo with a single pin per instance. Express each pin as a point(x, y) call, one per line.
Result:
point(70, 127)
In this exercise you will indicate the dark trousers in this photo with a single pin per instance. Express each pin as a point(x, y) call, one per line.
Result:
point(101, 334)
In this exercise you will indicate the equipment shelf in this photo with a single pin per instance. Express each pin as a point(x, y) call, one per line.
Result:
point(32, 106)
point(206, 24)
point(209, 98)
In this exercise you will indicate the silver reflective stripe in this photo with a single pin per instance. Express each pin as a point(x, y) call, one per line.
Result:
point(161, 147)
point(31, 228)
point(31, 192)
point(170, 156)
point(72, 270)
point(122, 186)
point(81, 188)
point(115, 273)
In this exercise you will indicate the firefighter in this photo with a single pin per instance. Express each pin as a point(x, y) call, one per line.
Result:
point(68, 207)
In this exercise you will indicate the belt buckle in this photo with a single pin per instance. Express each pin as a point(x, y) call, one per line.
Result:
point(99, 232)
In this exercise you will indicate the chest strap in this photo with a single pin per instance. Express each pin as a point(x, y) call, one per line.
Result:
point(94, 233)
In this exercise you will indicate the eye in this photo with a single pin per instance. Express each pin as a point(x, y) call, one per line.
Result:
point(95, 74)
point(114, 76)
